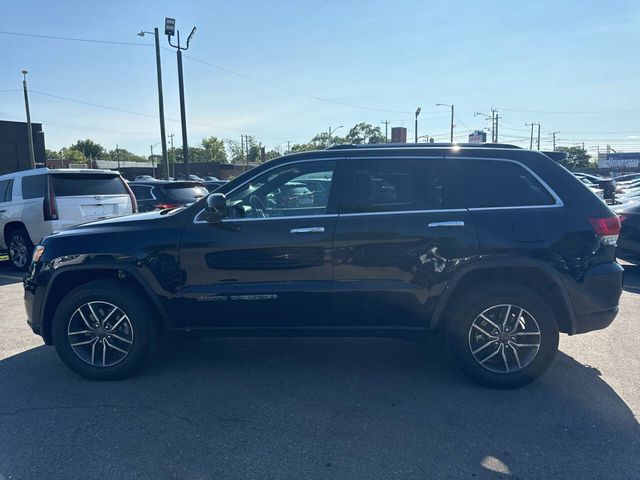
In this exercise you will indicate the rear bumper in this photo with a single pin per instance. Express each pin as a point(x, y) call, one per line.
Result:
point(596, 297)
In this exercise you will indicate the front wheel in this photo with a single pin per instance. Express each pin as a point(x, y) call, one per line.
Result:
point(20, 248)
point(503, 336)
point(103, 331)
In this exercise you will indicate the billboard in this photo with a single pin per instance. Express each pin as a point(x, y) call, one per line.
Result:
point(478, 137)
point(620, 160)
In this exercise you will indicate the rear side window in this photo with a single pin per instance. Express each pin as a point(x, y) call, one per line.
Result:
point(142, 192)
point(87, 184)
point(392, 185)
point(498, 183)
point(33, 186)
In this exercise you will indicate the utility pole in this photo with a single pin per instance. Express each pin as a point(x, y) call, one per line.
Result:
point(163, 135)
point(416, 125)
point(173, 155)
point(531, 138)
point(451, 124)
point(153, 164)
point(118, 155)
point(538, 137)
point(554, 139)
point(496, 118)
point(32, 156)
point(169, 31)
point(386, 131)
point(288, 147)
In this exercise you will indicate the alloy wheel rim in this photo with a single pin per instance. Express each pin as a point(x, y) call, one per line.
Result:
point(18, 250)
point(100, 334)
point(504, 338)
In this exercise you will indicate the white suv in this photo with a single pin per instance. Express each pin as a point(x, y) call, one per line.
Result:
point(35, 203)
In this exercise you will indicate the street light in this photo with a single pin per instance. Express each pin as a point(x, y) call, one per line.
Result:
point(169, 31)
point(333, 131)
point(451, 107)
point(416, 131)
point(163, 136)
point(32, 156)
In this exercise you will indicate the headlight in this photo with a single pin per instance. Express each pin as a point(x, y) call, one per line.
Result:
point(37, 253)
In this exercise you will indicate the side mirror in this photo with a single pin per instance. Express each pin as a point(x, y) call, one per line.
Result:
point(216, 207)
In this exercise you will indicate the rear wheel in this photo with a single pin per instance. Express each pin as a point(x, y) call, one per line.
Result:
point(503, 336)
point(20, 248)
point(103, 331)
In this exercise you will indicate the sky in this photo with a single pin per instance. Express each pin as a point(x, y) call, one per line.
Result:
point(284, 71)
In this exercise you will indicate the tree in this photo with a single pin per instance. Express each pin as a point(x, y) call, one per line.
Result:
point(73, 156)
point(577, 158)
point(365, 133)
point(124, 155)
point(88, 148)
point(52, 154)
point(214, 149)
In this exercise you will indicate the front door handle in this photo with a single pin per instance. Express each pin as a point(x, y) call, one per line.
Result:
point(454, 223)
point(308, 230)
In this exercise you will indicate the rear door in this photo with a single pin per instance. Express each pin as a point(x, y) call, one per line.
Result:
point(82, 197)
point(401, 234)
point(6, 187)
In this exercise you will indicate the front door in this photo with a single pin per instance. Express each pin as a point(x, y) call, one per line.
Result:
point(401, 234)
point(273, 268)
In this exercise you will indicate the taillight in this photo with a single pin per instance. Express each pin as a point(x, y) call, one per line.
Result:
point(607, 228)
point(50, 207)
point(134, 202)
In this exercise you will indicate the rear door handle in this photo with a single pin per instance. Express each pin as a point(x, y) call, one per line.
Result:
point(308, 230)
point(454, 223)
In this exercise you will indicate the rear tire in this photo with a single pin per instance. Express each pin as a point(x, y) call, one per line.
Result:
point(502, 335)
point(20, 248)
point(104, 331)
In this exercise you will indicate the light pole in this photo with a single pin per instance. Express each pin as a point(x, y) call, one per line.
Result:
point(416, 131)
point(32, 156)
point(169, 31)
point(163, 136)
point(451, 107)
point(333, 131)
point(153, 163)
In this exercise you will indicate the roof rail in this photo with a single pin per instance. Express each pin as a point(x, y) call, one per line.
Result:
point(346, 146)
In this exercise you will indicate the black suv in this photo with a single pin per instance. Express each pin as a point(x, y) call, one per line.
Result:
point(500, 248)
point(161, 194)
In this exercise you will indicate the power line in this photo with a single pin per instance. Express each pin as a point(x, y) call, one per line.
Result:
point(562, 112)
point(73, 39)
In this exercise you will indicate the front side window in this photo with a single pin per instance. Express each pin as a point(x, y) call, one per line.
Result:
point(498, 183)
point(302, 188)
point(4, 189)
point(393, 185)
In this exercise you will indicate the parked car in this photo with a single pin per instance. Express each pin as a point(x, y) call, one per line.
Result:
point(628, 177)
point(163, 194)
point(606, 184)
point(593, 187)
point(629, 241)
point(211, 179)
point(212, 186)
point(291, 195)
point(144, 178)
point(35, 203)
point(499, 247)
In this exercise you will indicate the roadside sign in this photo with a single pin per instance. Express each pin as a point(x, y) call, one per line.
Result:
point(478, 136)
point(620, 160)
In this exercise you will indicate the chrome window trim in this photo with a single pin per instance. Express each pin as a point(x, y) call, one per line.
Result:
point(558, 201)
point(288, 217)
point(305, 160)
point(405, 212)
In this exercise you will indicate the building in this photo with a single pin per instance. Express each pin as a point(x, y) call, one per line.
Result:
point(14, 146)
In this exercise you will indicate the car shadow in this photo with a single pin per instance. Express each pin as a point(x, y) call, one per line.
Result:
point(8, 274)
point(309, 408)
point(632, 278)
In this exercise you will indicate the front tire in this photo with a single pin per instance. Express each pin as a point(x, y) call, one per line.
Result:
point(103, 331)
point(20, 248)
point(503, 335)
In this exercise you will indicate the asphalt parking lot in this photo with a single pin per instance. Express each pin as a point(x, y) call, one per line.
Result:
point(319, 408)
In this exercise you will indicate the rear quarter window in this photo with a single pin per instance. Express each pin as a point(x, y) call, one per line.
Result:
point(87, 184)
point(498, 183)
point(33, 186)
